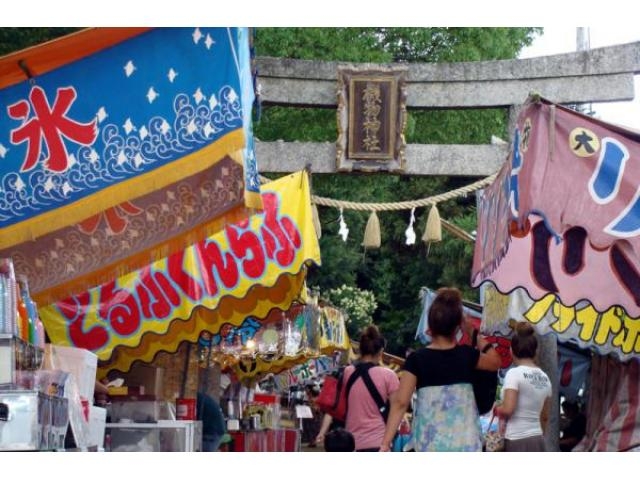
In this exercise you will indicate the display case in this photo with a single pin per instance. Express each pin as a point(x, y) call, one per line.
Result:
point(140, 409)
point(163, 436)
point(31, 420)
point(17, 356)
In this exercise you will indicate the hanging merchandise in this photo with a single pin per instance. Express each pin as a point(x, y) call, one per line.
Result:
point(292, 337)
point(410, 232)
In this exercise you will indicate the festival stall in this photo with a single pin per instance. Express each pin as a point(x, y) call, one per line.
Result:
point(268, 420)
point(220, 286)
point(105, 173)
point(558, 232)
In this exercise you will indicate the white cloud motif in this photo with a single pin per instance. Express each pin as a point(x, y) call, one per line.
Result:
point(209, 42)
point(101, 115)
point(66, 188)
point(128, 126)
point(152, 95)
point(71, 160)
point(213, 101)
point(93, 156)
point(48, 185)
point(192, 127)
point(143, 132)
point(122, 158)
point(172, 75)
point(3, 150)
point(137, 160)
point(208, 129)
point(129, 68)
point(197, 35)
point(19, 184)
point(198, 96)
point(165, 127)
point(233, 96)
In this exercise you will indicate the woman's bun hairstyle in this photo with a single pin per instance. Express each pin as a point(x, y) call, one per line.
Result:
point(524, 329)
point(371, 341)
point(524, 343)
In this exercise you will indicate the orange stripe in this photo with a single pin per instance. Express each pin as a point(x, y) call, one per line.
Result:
point(43, 58)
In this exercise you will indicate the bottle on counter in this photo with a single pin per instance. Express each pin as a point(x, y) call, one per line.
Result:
point(23, 315)
point(32, 309)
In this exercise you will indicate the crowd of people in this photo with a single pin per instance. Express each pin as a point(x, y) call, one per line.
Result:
point(434, 394)
point(435, 389)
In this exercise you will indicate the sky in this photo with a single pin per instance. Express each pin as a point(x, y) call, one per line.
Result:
point(560, 39)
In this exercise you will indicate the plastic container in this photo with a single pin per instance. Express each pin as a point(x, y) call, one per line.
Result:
point(185, 408)
point(81, 363)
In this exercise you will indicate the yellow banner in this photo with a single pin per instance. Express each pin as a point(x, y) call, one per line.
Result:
point(222, 278)
point(610, 332)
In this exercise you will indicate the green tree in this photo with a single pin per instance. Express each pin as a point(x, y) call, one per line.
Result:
point(17, 38)
point(396, 272)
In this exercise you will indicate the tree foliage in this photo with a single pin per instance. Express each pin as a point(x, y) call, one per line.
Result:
point(17, 38)
point(396, 272)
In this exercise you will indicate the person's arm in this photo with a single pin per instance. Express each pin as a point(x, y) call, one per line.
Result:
point(100, 387)
point(489, 357)
point(508, 405)
point(324, 428)
point(544, 414)
point(399, 400)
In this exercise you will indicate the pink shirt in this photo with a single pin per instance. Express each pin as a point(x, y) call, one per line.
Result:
point(364, 420)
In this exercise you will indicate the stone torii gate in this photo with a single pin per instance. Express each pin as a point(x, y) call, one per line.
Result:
point(590, 76)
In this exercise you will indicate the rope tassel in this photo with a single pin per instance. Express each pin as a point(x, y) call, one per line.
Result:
point(433, 230)
point(372, 232)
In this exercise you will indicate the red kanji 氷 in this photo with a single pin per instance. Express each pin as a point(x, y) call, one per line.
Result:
point(49, 124)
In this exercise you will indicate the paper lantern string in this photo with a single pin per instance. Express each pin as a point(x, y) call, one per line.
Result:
point(409, 232)
point(344, 230)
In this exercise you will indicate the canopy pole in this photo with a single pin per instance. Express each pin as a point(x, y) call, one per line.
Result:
point(185, 373)
point(548, 361)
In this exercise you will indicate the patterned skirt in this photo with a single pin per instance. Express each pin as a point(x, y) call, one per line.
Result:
point(446, 420)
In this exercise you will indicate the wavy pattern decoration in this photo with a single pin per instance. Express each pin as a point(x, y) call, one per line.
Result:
point(262, 251)
point(231, 311)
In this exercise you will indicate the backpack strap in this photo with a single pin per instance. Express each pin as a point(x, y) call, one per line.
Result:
point(362, 370)
point(373, 391)
point(357, 373)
